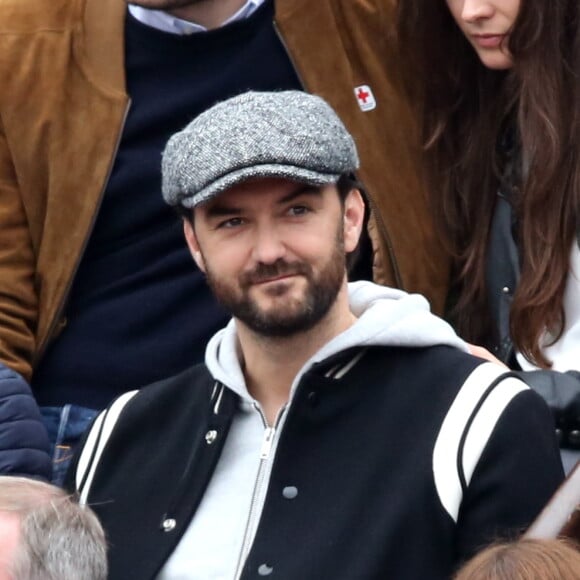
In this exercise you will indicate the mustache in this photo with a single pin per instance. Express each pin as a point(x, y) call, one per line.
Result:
point(263, 272)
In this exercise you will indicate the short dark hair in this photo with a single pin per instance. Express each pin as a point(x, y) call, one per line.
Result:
point(185, 213)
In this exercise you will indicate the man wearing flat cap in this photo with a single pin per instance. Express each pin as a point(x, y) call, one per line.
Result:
point(335, 430)
point(97, 295)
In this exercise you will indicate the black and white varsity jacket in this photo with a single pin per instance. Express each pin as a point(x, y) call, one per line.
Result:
point(400, 467)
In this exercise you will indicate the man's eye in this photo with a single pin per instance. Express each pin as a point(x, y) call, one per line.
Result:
point(231, 223)
point(298, 210)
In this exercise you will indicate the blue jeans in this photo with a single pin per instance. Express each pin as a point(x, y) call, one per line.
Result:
point(65, 425)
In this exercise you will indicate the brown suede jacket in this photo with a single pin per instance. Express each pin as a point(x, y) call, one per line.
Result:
point(62, 109)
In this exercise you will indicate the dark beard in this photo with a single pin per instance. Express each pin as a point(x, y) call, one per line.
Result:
point(321, 293)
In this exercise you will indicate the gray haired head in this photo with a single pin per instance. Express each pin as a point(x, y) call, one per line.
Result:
point(58, 539)
point(288, 134)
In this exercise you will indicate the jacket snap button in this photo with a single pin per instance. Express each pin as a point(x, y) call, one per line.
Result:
point(313, 398)
point(506, 290)
point(210, 437)
point(574, 438)
point(169, 525)
point(265, 570)
point(290, 492)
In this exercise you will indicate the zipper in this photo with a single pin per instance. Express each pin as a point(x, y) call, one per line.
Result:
point(59, 311)
point(263, 475)
point(266, 458)
point(373, 206)
point(257, 495)
point(269, 434)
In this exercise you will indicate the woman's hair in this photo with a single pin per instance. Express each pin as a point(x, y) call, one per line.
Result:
point(468, 113)
point(524, 560)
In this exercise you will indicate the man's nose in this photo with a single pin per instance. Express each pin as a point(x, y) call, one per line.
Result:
point(268, 245)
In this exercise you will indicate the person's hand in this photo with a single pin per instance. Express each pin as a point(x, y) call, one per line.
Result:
point(483, 353)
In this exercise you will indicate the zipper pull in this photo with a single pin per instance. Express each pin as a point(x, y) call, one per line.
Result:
point(269, 433)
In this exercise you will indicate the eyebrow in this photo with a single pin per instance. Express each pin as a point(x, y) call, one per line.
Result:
point(305, 189)
point(221, 210)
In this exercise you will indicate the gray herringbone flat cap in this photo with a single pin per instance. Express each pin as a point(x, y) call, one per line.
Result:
point(287, 134)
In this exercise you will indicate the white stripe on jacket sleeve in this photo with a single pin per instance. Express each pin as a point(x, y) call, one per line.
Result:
point(446, 450)
point(95, 444)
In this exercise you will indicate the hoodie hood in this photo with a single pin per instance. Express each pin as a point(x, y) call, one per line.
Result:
point(385, 317)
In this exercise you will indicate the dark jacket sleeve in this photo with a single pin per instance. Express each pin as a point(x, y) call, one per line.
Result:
point(561, 391)
point(24, 445)
point(517, 473)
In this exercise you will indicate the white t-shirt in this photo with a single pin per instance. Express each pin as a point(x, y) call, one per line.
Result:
point(565, 352)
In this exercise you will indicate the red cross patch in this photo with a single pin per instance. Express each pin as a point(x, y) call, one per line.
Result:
point(365, 98)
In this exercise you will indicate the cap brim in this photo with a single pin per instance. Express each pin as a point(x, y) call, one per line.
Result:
point(237, 176)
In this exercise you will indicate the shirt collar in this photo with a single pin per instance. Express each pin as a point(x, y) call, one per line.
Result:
point(168, 23)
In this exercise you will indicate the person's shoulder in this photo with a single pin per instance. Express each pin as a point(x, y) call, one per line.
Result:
point(12, 383)
point(185, 388)
point(28, 16)
point(441, 362)
point(373, 12)
point(181, 397)
point(24, 447)
point(17, 404)
point(162, 411)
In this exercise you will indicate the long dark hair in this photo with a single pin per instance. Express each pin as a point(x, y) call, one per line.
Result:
point(466, 109)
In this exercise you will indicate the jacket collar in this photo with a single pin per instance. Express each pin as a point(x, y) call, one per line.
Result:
point(103, 38)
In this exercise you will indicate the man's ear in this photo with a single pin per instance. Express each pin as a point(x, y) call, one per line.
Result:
point(354, 215)
point(191, 240)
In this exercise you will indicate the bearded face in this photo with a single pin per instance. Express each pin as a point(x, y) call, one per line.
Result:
point(283, 298)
